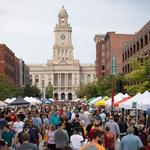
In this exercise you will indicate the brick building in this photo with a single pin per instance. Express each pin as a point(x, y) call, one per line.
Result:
point(10, 66)
point(100, 55)
point(113, 45)
point(109, 54)
point(139, 46)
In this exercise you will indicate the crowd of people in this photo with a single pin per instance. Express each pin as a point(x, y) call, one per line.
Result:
point(70, 127)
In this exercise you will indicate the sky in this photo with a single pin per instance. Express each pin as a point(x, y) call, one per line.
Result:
point(27, 26)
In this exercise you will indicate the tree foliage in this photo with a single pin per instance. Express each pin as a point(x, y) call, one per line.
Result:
point(7, 89)
point(139, 77)
point(32, 91)
point(49, 91)
point(102, 87)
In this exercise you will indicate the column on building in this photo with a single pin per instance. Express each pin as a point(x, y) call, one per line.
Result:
point(66, 77)
point(33, 79)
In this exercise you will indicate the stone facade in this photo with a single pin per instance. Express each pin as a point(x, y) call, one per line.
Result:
point(63, 71)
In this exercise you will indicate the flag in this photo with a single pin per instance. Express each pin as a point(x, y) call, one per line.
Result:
point(112, 96)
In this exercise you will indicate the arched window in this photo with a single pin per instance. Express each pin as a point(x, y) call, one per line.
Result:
point(56, 96)
point(36, 79)
point(88, 78)
point(62, 96)
point(69, 96)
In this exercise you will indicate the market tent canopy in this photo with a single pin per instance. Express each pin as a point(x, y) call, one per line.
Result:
point(95, 100)
point(19, 101)
point(2, 104)
point(128, 104)
point(102, 102)
point(117, 98)
point(121, 101)
point(32, 100)
point(9, 100)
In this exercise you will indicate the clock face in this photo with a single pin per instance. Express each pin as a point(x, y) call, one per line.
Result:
point(62, 36)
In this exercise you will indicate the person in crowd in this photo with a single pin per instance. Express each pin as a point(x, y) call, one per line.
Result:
point(18, 127)
point(69, 127)
point(95, 127)
point(95, 143)
point(130, 141)
point(136, 131)
point(51, 143)
point(54, 119)
point(8, 135)
point(143, 136)
point(83, 128)
point(37, 121)
point(34, 133)
point(148, 143)
point(26, 145)
point(109, 139)
point(61, 137)
point(76, 139)
point(102, 117)
point(45, 120)
point(13, 117)
point(3, 122)
point(114, 127)
point(122, 126)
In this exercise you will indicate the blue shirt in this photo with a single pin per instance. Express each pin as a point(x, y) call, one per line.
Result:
point(130, 142)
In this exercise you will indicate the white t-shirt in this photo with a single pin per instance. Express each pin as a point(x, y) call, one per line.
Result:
point(18, 126)
point(76, 141)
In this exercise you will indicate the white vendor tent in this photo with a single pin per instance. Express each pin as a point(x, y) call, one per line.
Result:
point(32, 100)
point(8, 100)
point(117, 98)
point(2, 104)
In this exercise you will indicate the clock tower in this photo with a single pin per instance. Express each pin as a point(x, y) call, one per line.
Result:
point(63, 49)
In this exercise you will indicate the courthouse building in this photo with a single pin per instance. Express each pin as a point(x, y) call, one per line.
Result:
point(63, 71)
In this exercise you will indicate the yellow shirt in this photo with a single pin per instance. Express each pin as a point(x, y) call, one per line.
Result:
point(92, 145)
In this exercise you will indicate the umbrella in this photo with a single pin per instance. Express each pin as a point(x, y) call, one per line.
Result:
point(19, 101)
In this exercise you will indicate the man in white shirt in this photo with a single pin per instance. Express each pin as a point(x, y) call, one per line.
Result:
point(18, 127)
point(76, 139)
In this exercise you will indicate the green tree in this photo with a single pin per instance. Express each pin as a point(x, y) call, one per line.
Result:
point(49, 91)
point(29, 90)
point(139, 77)
point(7, 89)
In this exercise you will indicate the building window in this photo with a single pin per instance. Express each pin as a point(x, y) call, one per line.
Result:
point(56, 96)
point(123, 57)
point(62, 96)
point(62, 79)
point(88, 78)
point(69, 96)
point(141, 41)
point(137, 46)
point(134, 50)
point(128, 54)
point(36, 79)
point(131, 52)
point(146, 40)
point(103, 67)
point(56, 79)
point(69, 79)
